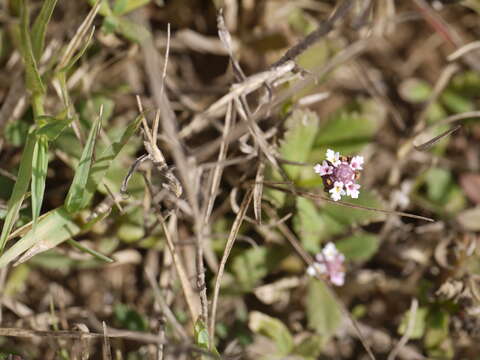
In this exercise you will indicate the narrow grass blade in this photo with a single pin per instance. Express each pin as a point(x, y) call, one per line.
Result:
point(52, 128)
point(39, 176)
point(92, 252)
point(33, 79)
point(19, 190)
point(52, 229)
point(40, 27)
point(103, 161)
point(75, 198)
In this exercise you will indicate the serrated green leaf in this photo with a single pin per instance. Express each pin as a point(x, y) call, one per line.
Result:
point(323, 313)
point(273, 329)
point(419, 324)
point(122, 7)
point(301, 129)
point(76, 200)
point(360, 247)
point(39, 176)
point(346, 132)
point(33, 79)
point(40, 26)
point(19, 190)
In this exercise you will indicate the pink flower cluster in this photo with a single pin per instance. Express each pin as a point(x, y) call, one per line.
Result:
point(329, 262)
point(339, 174)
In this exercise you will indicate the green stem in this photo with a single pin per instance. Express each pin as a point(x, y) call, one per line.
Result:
point(38, 101)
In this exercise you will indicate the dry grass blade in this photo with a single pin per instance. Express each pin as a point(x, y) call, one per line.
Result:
point(82, 30)
point(408, 332)
point(324, 28)
point(159, 298)
point(106, 351)
point(428, 144)
point(318, 197)
point(228, 248)
point(258, 191)
point(217, 171)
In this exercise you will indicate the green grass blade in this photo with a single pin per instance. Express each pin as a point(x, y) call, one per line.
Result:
point(103, 162)
point(33, 79)
point(92, 252)
point(76, 199)
point(53, 228)
point(40, 27)
point(59, 225)
point(39, 176)
point(19, 190)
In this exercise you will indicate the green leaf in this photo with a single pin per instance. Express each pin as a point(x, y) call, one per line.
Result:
point(103, 162)
point(438, 180)
point(323, 313)
point(251, 265)
point(310, 348)
point(76, 199)
point(273, 329)
point(348, 131)
point(122, 7)
point(87, 250)
point(19, 190)
point(350, 216)
point(437, 339)
point(415, 90)
point(457, 103)
point(40, 26)
point(51, 127)
point(33, 79)
point(360, 247)
point(52, 229)
point(301, 129)
point(39, 176)
point(419, 323)
point(313, 226)
point(132, 31)
point(129, 319)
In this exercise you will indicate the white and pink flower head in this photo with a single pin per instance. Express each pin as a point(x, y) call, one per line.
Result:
point(339, 174)
point(329, 263)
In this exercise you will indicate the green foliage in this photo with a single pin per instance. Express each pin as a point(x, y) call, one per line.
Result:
point(274, 329)
point(19, 190)
point(323, 313)
point(301, 128)
point(346, 131)
point(33, 79)
point(76, 199)
point(129, 319)
point(359, 247)
point(419, 323)
point(39, 176)
point(251, 265)
point(39, 27)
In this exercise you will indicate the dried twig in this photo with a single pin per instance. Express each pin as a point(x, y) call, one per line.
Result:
point(228, 247)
